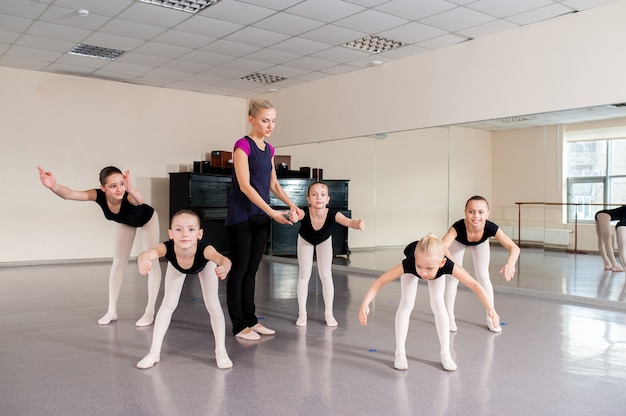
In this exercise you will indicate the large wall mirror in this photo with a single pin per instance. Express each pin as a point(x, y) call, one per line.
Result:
point(405, 184)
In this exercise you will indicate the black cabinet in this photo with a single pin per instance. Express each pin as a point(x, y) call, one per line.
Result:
point(207, 196)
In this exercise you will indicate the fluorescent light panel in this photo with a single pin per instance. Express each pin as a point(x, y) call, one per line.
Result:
point(95, 51)
point(189, 6)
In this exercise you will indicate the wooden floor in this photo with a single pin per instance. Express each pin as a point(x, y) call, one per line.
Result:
point(555, 356)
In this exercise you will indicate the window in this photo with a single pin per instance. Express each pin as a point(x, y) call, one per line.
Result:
point(596, 174)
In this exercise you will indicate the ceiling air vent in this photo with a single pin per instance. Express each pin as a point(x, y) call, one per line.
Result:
point(373, 44)
point(262, 78)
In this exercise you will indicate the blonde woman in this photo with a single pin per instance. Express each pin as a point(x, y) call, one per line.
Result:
point(249, 213)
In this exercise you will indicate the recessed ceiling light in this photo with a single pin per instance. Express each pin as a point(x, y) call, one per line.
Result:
point(262, 78)
point(376, 62)
point(189, 6)
point(374, 44)
point(95, 51)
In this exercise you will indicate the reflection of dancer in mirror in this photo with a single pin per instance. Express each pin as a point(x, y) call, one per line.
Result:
point(248, 216)
point(473, 232)
point(123, 204)
point(425, 259)
point(187, 254)
point(603, 220)
point(315, 235)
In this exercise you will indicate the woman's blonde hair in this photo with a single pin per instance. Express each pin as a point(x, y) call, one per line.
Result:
point(430, 245)
point(257, 104)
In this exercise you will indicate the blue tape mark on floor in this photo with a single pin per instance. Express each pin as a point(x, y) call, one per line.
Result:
point(372, 350)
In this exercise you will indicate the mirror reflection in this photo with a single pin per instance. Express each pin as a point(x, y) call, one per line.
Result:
point(406, 184)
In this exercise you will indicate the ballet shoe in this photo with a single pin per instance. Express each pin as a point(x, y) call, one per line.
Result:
point(491, 327)
point(400, 363)
point(223, 361)
point(248, 335)
point(447, 362)
point(148, 361)
point(107, 319)
point(260, 329)
point(301, 320)
point(453, 327)
point(331, 321)
point(146, 320)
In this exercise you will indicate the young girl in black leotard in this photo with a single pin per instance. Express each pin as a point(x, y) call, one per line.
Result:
point(122, 204)
point(473, 233)
point(425, 260)
point(187, 254)
point(315, 235)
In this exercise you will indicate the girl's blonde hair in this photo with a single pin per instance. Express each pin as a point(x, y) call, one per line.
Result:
point(256, 104)
point(430, 245)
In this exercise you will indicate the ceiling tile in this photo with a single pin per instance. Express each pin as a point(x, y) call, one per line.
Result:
point(132, 29)
point(257, 37)
point(371, 21)
point(457, 19)
point(105, 8)
point(415, 10)
point(538, 15)
point(208, 26)
point(333, 35)
point(184, 39)
point(14, 23)
point(412, 32)
point(272, 56)
point(44, 43)
point(325, 10)
point(238, 12)
point(227, 47)
point(49, 30)
point(288, 24)
point(22, 8)
point(301, 46)
point(70, 17)
point(505, 8)
point(151, 14)
point(161, 49)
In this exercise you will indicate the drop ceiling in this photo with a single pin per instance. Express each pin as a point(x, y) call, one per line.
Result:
point(244, 48)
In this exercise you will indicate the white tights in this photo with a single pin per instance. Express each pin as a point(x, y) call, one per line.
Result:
point(123, 244)
point(436, 288)
point(621, 243)
point(605, 246)
point(324, 254)
point(481, 256)
point(209, 283)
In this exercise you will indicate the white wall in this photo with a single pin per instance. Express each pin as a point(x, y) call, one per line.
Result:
point(569, 62)
point(74, 127)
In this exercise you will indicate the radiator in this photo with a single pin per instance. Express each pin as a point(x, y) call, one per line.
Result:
point(550, 236)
